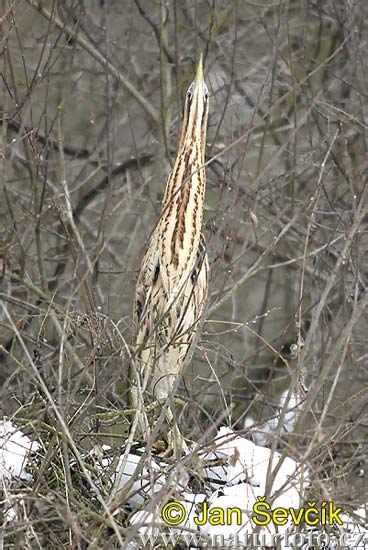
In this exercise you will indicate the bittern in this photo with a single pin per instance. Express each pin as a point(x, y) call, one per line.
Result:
point(173, 278)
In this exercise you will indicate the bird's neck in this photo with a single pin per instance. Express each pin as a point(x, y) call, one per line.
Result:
point(182, 208)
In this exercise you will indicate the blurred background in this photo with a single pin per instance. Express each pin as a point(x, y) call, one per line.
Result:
point(91, 100)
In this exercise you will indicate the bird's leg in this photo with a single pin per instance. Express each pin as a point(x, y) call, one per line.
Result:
point(138, 403)
point(176, 441)
point(164, 389)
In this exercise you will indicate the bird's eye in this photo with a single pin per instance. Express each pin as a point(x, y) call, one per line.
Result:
point(189, 95)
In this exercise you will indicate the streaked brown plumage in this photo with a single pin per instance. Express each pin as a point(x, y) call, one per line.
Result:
point(172, 283)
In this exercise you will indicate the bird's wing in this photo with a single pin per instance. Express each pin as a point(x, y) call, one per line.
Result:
point(150, 290)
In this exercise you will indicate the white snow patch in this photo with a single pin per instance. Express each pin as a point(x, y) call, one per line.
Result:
point(14, 452)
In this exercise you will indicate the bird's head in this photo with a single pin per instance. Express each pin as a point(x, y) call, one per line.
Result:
point(195, 117)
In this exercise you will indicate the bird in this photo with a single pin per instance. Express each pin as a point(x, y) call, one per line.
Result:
point(172, 283)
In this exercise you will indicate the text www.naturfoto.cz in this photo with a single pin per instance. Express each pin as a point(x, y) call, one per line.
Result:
point(351, 541)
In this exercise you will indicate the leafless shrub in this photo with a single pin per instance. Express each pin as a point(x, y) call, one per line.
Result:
point(91, 102)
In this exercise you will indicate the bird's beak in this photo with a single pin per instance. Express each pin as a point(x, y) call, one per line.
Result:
point(199, 81)
point(200, 97)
